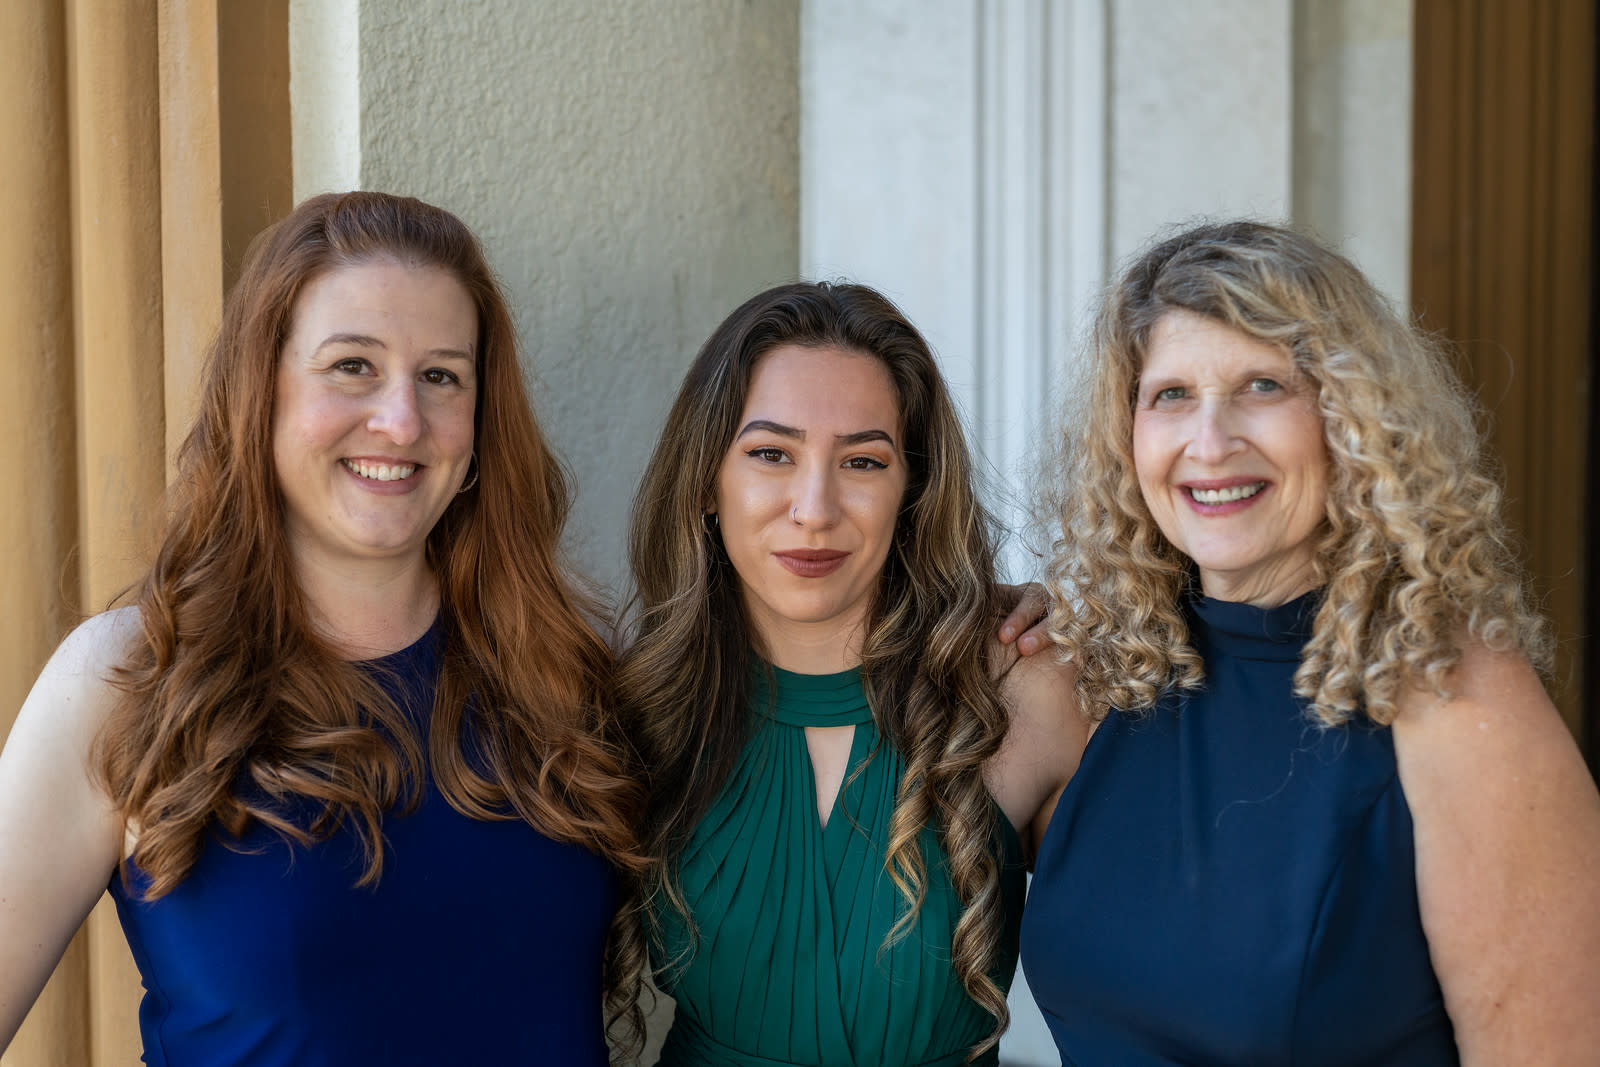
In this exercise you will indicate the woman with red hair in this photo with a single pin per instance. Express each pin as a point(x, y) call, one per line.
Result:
point(343, 758)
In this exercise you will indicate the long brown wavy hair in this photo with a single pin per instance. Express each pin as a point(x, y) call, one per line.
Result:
point(1413, 547)
point(683, 682)
point(231, 683)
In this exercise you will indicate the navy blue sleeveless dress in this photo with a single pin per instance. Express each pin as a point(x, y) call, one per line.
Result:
point(482, 942)
point(1225, 882)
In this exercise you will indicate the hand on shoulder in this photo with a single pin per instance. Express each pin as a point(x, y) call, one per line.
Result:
point(1507, 825)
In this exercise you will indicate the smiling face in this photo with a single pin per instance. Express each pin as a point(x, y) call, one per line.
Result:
point(1228, 447)
point(807, 498)
point(373, 419)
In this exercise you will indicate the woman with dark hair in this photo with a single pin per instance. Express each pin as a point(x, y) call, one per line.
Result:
point(1328, 814)
point(343, 759)
point(845, 768)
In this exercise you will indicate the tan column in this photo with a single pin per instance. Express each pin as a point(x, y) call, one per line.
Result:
point(38, 524)
point(191, 202)
point(116, 199)
point(38, 588)
point(226, 171)
point(111, 280)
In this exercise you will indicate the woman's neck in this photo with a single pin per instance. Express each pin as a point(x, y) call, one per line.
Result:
point(809, 648)
point(373, 610)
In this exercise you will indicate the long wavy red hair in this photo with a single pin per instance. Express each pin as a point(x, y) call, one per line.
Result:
point(231, 685)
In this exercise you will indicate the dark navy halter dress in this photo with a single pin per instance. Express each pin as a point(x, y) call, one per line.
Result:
point(481, 943)
point(1224, 882)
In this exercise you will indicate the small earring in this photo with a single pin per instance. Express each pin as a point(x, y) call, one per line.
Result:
point(472, 481)
point(708, 519)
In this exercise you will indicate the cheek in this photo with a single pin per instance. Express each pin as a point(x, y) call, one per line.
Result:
point(1312, 459)
point(878, 511)
point(1148, 467)
point(736, 512)
point(454, 421)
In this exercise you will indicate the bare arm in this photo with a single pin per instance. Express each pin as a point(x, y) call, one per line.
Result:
point(59, 836)
point(1508, 863)
point(1042, 747)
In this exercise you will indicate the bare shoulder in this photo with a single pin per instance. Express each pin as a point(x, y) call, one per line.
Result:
point(1046, 737)
point(1040, 692)
point(1496, 728)
point(1507, 825)
point(74, 692)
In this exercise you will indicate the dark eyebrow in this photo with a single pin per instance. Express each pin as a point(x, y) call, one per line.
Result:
point(772, 427)
point(863, 436)
point(362, 340)
point(857, 438)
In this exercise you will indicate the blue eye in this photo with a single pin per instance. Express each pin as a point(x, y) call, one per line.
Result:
point(1264, 385)
point(1171, 392)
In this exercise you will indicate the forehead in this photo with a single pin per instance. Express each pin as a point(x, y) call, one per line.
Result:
point(383, 293)
point(1185, 344)
point(830, 389)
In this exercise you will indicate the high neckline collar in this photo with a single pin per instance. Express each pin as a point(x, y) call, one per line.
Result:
point(1231, 628)
point(809, 699)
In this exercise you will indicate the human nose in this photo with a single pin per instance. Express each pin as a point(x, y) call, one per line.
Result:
point(816, 499)
point(396, 414)
point(1215, 433)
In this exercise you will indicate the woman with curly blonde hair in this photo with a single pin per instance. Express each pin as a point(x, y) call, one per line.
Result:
point(1328, 814)
point(842, 783)
point(344, 760)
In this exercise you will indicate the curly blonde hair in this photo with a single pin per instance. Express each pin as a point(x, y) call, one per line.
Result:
point(1413, 549)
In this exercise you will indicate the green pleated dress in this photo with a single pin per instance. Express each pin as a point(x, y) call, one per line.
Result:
point(789, 967)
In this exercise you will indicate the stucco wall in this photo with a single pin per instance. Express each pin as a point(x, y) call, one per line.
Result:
point(1285, 109)
point(1353, 132)
point(633, 171)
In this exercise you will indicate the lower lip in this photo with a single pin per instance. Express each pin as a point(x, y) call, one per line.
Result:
point(398, 487)
point(810, 568)
point(1226, 508)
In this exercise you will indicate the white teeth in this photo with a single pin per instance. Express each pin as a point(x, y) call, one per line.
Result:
point(1227, 496)
point(381, 472)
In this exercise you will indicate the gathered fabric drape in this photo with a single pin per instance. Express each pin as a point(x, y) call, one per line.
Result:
point(113, 259)
point(1502, 265)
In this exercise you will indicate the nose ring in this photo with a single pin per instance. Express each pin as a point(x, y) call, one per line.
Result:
point(794, 514)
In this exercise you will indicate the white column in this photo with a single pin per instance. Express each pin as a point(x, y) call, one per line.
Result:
point(325, 95)
point(1041, 212)
point(953, 156)
point(1200, 114)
